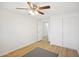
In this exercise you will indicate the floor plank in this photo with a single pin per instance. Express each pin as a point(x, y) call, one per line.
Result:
point(61, 51)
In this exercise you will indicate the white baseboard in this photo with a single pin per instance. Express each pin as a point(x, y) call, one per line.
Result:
point(17, 48)
point(50, 43)
point(78, 52)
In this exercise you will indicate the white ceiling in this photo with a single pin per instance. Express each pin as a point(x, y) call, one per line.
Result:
point(56, 7)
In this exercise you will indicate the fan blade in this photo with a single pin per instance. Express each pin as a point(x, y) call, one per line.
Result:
point(44, 7)
point(22, 8)
point(40, 12)
point(30, 5)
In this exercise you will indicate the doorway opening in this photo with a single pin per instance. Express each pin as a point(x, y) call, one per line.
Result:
point(43, 30)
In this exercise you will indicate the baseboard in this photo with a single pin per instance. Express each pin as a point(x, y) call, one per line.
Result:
point(64, 47)
point(18, 48)
point(78, 52)
point(60, 45)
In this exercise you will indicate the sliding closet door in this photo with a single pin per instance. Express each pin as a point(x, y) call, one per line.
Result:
point(55, 31)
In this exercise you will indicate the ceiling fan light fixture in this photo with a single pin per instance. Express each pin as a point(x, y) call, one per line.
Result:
point(36, 13)
point(35, 9)
point(33, 12)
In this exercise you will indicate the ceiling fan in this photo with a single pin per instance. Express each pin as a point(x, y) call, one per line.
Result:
point(34, 9)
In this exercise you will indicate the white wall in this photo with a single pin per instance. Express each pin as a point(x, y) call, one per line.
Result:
point(64, 30)
point(71, 30)
point(16, 31)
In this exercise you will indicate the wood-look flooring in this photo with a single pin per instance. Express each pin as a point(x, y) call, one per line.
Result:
point(62, 52)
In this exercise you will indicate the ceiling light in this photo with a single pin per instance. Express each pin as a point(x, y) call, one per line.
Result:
point(33, 12)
